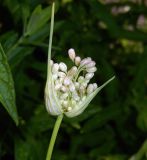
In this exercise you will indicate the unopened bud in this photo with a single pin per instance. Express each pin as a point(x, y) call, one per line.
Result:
point(55, 67)
point(85, 61)
point(82, 89)
point(91, 70)
point(72, 87)
point(91, 64)
point(77, 60)
point(90, 89)
point(61, 74)
point(65, 103)
point(63, 88)
point(58, 86)
point(94, 86)
point(71, 53)
point(88, 76)
point(63, 67)
point(84, 84)
point(55, 76)
point(72, 71)
point(67, 81)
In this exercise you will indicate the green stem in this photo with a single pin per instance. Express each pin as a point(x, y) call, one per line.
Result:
point(53, 138)
point(51, 35)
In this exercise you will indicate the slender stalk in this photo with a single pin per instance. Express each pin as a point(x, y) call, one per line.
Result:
point(60, 117)
point(51, 35)
point(53, 138)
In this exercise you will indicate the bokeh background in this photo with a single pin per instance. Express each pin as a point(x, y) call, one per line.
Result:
point(114, 34)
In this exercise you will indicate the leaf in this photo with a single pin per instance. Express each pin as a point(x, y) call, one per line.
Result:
point(7, 92)
point(38, 19)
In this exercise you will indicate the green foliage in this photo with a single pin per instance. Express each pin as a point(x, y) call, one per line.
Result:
point(114, 126)
point(7, 93)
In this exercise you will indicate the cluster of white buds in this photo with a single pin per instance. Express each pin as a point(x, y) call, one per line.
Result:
point(69, 91)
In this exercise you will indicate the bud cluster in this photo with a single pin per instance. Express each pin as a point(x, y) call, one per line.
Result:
point(72, 86)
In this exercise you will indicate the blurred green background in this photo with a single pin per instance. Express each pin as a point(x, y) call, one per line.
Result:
point(114, 34)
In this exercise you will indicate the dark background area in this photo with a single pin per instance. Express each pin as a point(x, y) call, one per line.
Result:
point(114, 34)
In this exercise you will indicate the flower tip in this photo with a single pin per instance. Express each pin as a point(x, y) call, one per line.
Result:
point(72, 54)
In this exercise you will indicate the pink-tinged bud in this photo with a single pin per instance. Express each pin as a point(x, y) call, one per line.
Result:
point(72, 54)
point(67, 81)
point(55, 67)
point(88, 76)
point(90, 89)
point(85, 61)
point(91, 70)
point(63, 67)
point(77, 60)
point(91, 64)
point(72, 87)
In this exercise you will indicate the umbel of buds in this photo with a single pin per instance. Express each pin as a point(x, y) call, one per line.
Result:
point(69, 91)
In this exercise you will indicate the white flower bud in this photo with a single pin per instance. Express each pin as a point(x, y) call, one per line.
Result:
point(91, 70)
point(75, 96)
point(77, 60)
point(95, 86)
point(61, 74)
point(88, 76)
point(55, 76)
point(85, 61)
point(63, 67)
point(82, 89)
point(55, 67)
point(63, 88)
point(91, 64)
point(72, 71)
point(65, 103)
point(90, 89)
point(84, 84)
point(72, 87)
point(67, 81)
point(58, 86)
point(71, 53)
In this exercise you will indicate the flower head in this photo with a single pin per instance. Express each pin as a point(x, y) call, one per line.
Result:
point(70, 91)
